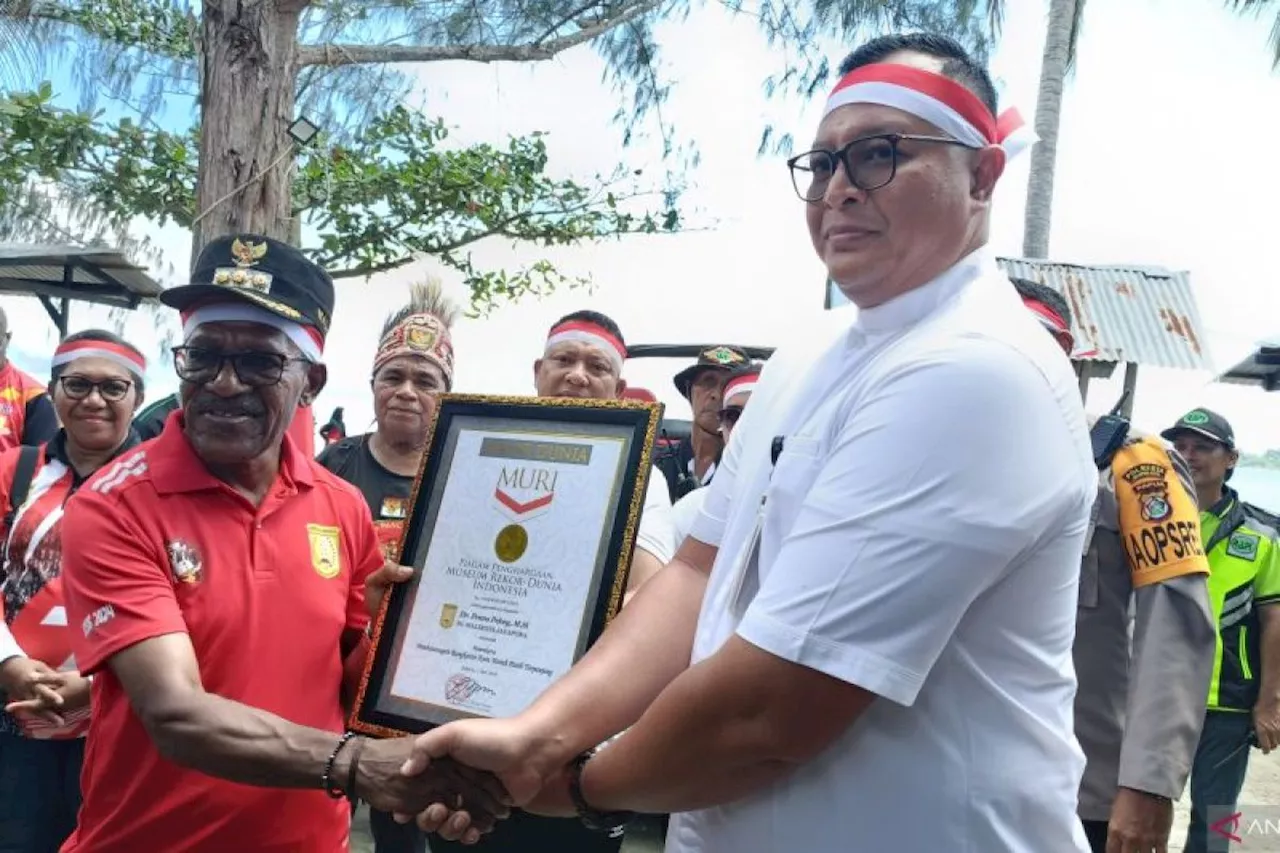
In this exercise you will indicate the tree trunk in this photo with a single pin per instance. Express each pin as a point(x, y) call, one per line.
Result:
point(1053, 73)
point(248, 76)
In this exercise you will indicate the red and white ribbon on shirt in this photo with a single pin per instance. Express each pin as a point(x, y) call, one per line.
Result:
point(69, 351)
point(939, 100)
point(592, 335)
point(307, 338)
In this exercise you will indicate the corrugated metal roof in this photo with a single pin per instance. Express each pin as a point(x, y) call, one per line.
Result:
point(97, 274)
point(1144, 315)
point(1262, 367)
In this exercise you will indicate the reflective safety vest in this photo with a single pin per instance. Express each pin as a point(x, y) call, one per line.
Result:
point(1244, 571)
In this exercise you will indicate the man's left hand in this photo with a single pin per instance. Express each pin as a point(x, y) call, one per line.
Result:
point(1140, 823)
point(377, 584)
point(1266, 723)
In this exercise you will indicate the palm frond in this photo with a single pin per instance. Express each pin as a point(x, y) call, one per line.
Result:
point(1256, 8)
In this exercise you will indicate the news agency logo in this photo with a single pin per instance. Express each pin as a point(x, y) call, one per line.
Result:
point(1243, 828)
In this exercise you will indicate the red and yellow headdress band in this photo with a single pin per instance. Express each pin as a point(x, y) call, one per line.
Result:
point(939, 100)
point(591, 334)
point(422, 335)
point(68, 352)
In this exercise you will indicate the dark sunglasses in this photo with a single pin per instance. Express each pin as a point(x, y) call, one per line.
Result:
point(255, 369)
point(729, 416)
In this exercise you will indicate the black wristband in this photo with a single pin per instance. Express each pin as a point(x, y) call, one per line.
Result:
point(326, 779)
point(611, 824)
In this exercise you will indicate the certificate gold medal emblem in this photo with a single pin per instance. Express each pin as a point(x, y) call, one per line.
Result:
point(520, 530)
point(511, 543)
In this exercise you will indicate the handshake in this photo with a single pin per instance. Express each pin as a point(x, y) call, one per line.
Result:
point(460, 779)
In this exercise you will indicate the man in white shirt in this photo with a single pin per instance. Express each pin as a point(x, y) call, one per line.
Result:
point(583, 358)
point(865, 644)
point(735, 395)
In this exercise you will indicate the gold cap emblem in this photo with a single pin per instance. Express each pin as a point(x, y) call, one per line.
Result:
point(247, 254)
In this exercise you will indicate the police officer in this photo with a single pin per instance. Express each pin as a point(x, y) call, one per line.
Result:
point(1138, 707)
point(1244, 556)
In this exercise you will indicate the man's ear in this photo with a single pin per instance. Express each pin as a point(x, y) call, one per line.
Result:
point(621, 388)
point(988, 166)
point(537, 368)
point(317, 376)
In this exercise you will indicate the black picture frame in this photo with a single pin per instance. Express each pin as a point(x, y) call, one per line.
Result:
point(378, 710)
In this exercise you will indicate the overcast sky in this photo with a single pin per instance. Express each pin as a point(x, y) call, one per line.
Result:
point(1164, 159)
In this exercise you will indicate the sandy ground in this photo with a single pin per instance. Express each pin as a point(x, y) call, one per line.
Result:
point(1262, 787)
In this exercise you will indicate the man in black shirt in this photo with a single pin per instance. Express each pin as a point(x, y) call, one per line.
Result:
point(692, 463)
point(414, 363)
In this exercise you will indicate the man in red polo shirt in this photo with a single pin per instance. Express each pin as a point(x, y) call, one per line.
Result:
point(215, 585)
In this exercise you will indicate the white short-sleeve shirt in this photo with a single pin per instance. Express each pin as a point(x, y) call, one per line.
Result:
point(919, 536)
point(656, 534)
point(685, 511)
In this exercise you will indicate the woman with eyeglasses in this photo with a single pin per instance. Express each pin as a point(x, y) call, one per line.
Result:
point(96, 386)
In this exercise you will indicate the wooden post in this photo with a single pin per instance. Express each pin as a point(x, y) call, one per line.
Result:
point(1130, 387)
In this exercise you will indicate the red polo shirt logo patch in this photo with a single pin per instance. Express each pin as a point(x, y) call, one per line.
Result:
point(326, 551)
point(185, 562)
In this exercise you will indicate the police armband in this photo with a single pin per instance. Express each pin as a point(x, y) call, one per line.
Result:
point(1159, 521)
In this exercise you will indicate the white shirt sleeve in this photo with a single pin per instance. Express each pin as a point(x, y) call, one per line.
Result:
point(9, 647)
point(709, 523)
point(940, 479)
point(656, 534)
point(685, 511)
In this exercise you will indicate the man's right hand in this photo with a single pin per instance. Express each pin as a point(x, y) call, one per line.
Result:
point(511, 749)
point(23, 679)
point(477, 798)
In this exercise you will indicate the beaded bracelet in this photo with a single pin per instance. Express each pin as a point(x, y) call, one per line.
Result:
point(327, 779)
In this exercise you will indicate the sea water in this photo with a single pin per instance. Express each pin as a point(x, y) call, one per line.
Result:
point(1259, 486)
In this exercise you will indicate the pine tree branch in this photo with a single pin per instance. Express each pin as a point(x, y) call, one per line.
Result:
point(336, 55)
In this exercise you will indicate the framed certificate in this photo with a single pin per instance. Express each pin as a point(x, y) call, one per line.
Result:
point(520, 529)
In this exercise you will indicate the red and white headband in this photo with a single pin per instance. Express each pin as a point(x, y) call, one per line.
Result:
point(131, 361)
point(307, 338)
point(1057, 324)
point(740, 385)
point(592, 335)
point(939, 100)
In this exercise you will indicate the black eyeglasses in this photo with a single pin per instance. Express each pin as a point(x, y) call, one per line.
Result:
point(255, 369)
point(79, 388)
point(729, 416)
point(870, 163)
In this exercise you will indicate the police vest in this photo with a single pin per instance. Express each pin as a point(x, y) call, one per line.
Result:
point(1244, 559)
